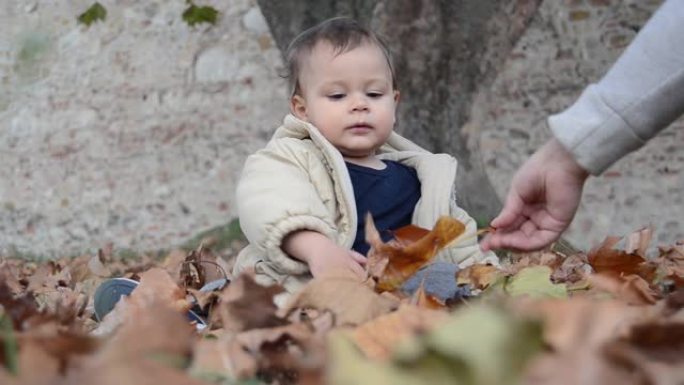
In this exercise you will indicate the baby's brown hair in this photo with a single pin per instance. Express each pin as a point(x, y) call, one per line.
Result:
point(342, 33)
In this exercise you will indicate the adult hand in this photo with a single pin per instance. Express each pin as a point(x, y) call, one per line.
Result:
point(542, 200)
point(323, 255)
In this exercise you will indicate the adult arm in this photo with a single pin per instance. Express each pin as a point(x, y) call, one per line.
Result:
point(639, 96)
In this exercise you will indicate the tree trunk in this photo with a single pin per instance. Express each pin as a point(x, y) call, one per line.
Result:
point(444, 52)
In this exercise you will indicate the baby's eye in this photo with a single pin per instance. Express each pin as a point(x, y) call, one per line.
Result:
point(374, 94)
point(336, 96)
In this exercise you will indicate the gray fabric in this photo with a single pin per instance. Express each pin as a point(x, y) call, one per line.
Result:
point(640, 95)
point(438, 279)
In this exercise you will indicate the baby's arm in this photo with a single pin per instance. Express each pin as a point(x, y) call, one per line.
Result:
point(322, 254)
point(276, 198)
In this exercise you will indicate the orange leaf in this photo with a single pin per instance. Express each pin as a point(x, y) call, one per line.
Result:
point(606, 260)
point(393, 262)
point(409, 234)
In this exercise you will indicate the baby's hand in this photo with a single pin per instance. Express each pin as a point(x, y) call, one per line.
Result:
point(335, 259)
point(322, 254)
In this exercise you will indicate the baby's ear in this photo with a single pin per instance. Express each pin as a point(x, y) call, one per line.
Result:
point(298, 107)
point(396, 96)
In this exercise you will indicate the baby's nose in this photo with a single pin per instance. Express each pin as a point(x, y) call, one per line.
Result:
point(360, 103)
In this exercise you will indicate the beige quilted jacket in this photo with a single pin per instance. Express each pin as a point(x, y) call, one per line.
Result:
point(300, 181)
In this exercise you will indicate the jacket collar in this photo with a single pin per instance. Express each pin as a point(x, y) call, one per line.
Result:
point(437, 172)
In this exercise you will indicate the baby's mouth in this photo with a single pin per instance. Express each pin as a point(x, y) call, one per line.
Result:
point(365, 126)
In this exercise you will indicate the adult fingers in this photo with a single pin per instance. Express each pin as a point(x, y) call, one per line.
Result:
point(527, 237)
point(510, 213)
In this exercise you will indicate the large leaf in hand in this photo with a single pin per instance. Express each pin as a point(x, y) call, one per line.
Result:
point(393, 262)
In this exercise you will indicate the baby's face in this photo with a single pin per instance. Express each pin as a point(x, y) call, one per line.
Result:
point(349, 97)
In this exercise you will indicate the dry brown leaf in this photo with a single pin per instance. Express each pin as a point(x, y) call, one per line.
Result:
point(11, 277)
point(409, 234)
point(156, 286)
point(479, 276)
point(522, 260)
point(351, 301)
point(576, 368)
point(632, 289)
point(212, 356)
point(244, 305)
point(607, 260)
point(642, 368)
point(151, 347)
point(53, 347)
point(577, 330)
point(156, 331)
point(573, 269)
point(204, 298)
point(97, 266)
point(393, 262)
point(36, 365)
point(19, 309)
point(282, 352)
point(154, 370)
point(378, 337)
point(173, 263)
point(582, 323)
point(638, 241)
point(424, 300)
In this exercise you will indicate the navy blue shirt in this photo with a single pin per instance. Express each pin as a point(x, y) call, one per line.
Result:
point(390, 195)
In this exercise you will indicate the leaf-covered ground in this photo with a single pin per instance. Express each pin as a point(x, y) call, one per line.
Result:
point(609, 316)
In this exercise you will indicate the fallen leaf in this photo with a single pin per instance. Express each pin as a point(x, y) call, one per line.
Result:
point(607, 260)
point(479, 276)
point(638, 241)
point(211, 357)
point(156, 286)
point(573, 269)
point(581, 323)
point(632, 288)
point(476, 345)
point(279, 353)
point(380, 336)
point(351, 301)
point(424, 300)
point(409, 234)
point(244, 305)
point(535, 282)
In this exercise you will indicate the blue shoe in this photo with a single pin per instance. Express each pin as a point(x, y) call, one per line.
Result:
point(438, 279)
point(110, 292)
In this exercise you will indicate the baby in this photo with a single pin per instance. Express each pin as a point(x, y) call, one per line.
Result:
point(302, 200)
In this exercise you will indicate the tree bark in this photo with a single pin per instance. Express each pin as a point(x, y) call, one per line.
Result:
point(445, 52)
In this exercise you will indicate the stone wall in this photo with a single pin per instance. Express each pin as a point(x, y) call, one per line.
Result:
point(134, 130)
